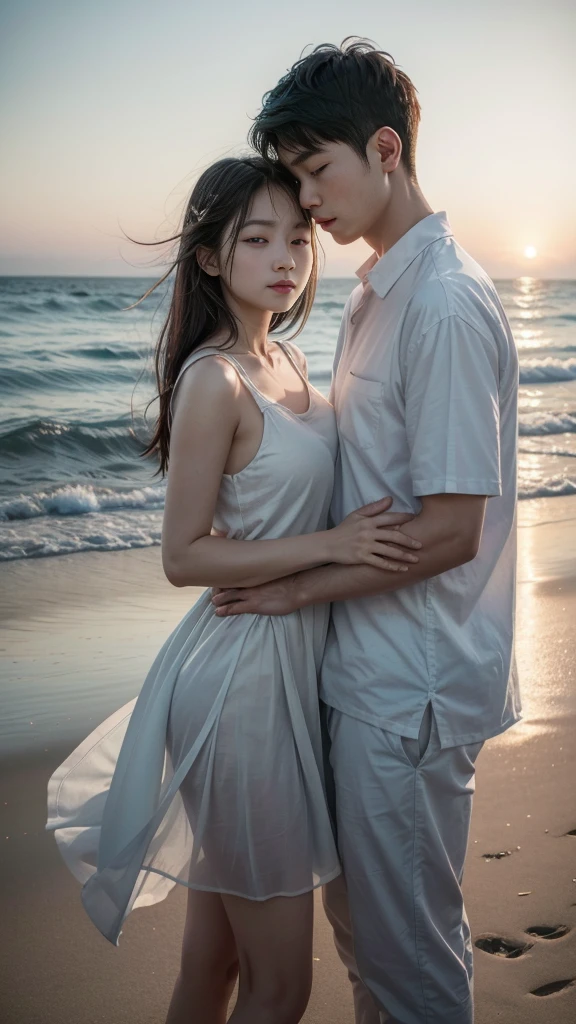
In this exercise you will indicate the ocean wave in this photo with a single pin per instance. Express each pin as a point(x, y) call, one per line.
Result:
point(31, 430)
point(14, 380)
point(109, 305)
point(107, 352)
point(79, 499)
point(37, 306)
point(537, 424)
point(330, 305)
point(72, 303)
point(51, 445)
point(116, 531)
point(11, 309)
point(556, 487)
point(55, 305)
point(547, 371)
point(563, 453)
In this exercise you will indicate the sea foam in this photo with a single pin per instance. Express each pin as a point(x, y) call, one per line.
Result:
point(79, 499)
point(116, 531)
point(537, 424)
point(555, 487)
point(547, 371)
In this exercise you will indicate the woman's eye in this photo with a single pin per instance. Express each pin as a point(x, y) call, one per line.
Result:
point(255, 239)
point(301, 241)
point(314, 174)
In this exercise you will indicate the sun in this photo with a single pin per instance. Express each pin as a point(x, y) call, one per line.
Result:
point(530, 252)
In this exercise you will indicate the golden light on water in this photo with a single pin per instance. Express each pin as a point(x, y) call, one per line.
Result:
point(530, 252)
point(527, 327)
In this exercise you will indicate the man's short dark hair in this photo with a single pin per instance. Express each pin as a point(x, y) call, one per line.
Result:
point(339, 94)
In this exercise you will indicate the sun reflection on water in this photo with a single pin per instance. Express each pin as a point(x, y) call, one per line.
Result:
point(527, 299)
point(530, 400)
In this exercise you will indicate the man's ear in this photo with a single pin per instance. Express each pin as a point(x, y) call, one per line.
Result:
point(208, 261)
point(388, 144)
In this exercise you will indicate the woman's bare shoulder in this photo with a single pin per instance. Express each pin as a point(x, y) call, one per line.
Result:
point(210, 382)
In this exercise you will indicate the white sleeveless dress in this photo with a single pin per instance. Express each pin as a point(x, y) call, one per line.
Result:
point(213, 776)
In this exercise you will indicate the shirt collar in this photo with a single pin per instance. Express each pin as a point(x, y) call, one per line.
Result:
point(383, 272)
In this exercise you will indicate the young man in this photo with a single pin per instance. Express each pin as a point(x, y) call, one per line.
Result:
point(418, 670)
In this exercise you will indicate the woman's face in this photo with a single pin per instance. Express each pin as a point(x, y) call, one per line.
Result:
point(273, 257)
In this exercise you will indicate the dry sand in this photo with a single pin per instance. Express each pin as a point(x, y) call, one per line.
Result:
point(78, 635)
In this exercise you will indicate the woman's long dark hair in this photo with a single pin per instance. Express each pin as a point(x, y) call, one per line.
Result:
point(218, 207)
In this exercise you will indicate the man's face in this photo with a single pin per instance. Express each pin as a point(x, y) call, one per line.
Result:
point(346, 196)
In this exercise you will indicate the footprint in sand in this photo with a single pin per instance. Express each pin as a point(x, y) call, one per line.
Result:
point(551, 931)
point(548, 931)
point(498, 946)
point(511, 950)
point(553, 986)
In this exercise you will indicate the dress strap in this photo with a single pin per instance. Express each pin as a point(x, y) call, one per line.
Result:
point(288, 351)
point(261, 401)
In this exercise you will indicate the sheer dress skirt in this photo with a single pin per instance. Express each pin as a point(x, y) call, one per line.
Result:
point(213, 778)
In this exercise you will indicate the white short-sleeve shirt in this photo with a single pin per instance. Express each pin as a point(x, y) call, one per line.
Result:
point(425, 389)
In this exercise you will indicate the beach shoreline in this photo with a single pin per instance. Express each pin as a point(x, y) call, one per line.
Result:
point(78, 635)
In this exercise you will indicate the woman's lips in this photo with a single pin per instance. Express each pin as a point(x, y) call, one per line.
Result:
point(283, 287)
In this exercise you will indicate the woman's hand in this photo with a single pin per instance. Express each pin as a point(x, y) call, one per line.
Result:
point(371, 536)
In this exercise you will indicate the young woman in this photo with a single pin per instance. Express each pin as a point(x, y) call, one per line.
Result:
point(213, 778)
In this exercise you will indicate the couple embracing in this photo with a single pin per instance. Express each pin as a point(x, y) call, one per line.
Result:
point(359, 550)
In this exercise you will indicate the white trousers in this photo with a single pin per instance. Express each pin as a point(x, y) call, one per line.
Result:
point(402, 810)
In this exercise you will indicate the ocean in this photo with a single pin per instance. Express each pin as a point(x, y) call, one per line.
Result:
point(76, 378)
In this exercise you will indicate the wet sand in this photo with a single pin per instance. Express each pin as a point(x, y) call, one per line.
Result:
point(78, 634)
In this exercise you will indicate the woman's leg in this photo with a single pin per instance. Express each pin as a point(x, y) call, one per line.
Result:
point(274, 943)
point(209, 964)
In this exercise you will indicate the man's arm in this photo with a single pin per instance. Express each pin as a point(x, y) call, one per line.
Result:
point(449, 528)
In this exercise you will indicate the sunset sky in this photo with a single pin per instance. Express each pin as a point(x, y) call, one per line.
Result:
point(110, 110)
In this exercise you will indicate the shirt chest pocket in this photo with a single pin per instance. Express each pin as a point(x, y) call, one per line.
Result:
point(359, 410)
